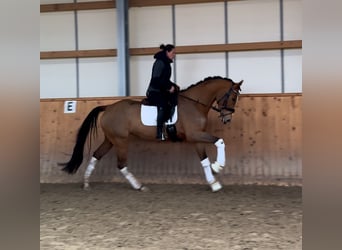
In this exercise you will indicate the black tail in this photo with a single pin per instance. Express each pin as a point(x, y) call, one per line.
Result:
point(88, 125)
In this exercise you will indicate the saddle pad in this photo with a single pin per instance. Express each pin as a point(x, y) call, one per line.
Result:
point(149, 116)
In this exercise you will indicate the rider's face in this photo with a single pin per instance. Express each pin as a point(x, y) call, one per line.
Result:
point(171, 54)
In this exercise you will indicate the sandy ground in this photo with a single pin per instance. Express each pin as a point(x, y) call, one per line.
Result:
point(113, 216)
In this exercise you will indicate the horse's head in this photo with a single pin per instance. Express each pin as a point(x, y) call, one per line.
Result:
point(226, 103)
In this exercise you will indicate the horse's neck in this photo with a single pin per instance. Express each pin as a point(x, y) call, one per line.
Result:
point(204, 94)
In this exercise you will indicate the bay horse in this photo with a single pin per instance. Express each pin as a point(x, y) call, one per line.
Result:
point(119, 121)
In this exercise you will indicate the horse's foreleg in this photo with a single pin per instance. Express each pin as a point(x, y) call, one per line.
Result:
point(214, 184)
point(220, 162)
point(98, 154)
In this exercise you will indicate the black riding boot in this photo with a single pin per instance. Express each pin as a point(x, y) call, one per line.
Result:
point(172, 132)
point(160, 124)
point(171, 129)
point(172, 111)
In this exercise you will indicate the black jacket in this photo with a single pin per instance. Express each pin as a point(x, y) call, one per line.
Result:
point(161, 73)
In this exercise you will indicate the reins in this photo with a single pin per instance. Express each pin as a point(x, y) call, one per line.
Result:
point(197, 101)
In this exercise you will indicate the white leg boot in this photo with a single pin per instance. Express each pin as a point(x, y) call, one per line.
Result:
point(214, 184)
point(89, 170)
point(132, 180)
point(220, 162)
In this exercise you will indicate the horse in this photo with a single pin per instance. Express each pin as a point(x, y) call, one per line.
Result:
point(119, 121)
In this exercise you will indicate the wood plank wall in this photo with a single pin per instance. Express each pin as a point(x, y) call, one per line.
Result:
point(263, 145)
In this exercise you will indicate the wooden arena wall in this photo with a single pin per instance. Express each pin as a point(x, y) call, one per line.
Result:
point(263, 145)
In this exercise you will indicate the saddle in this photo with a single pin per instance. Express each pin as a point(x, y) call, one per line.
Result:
point(146, 102)
point(148, 113)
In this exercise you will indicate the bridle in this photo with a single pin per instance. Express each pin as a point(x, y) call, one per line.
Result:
point(225, 99)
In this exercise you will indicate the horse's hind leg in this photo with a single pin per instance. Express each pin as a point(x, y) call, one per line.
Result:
point(214, 184)
point(121, 147)
point(98, 154)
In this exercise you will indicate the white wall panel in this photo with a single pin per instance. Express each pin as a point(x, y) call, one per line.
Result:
point(248, 21)
point(293, 71)
point(58, 78)
point(253, 21)
point(200, 24)
point(192, 68)
point(260, 70)
point(98, 77)
point(97, 29)
point(140, 74)
point(293, 20)
point(150, 26)
point(57, 31)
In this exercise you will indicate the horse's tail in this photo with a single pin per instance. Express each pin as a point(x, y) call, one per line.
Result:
point(89, 125)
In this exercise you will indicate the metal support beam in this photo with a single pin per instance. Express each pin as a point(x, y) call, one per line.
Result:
point(226, 40)
point(282, 59)
point(123, 47)
point(174, 42)
point(77, 48)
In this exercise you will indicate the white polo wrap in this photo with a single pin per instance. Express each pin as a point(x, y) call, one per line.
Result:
point(221, 153)
point(131, 178)
point(207, 171)
point(90, 168)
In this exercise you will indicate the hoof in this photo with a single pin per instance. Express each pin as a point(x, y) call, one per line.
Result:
point(215, 186)
point(144, 189)
point(216, 167)
point(86, 186)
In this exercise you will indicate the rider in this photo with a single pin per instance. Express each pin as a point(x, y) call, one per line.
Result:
point(161, 91)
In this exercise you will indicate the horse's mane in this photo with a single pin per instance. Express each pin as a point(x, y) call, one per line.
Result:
point(205, 80)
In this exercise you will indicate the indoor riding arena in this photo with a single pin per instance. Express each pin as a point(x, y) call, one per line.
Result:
point(97, 53)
